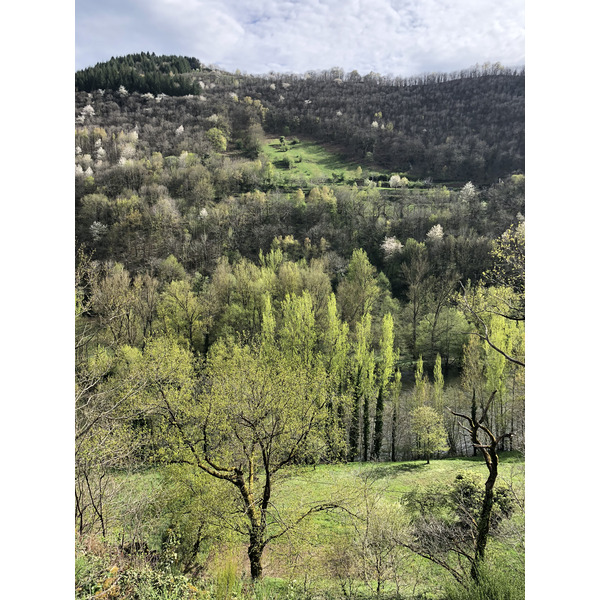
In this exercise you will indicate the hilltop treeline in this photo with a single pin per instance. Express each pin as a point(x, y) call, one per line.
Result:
point(141, 73)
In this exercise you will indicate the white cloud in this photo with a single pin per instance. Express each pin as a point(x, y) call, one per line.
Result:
point(400, 37)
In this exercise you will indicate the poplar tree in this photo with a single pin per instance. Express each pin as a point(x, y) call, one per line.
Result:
point(336, 347)
point(387, 358)
point(361, 376)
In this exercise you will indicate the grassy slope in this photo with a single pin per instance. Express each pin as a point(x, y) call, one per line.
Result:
point(316, 162)
point(346, 483)
point(304, 555)
point(392, 480)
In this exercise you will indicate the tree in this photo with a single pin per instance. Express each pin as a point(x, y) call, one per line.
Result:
point(444, 523)
point(259, 410)
point(418, 280)
point(217, 139)
point(398, 182)
point(387, 358)
point(362, 368)
point(358, 292)
point(183, 314)
point(505, 297)
point(475, 426)
point(335, 356)
point(428, 427)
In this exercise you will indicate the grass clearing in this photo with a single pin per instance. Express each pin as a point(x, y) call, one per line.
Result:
point(306, 558)
point(309, 161)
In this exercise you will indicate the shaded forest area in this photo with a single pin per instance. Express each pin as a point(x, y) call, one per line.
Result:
point(240, 322)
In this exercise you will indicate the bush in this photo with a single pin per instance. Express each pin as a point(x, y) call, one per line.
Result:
point(493, 585)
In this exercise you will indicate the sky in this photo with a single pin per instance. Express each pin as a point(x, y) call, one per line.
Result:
point(390, 37)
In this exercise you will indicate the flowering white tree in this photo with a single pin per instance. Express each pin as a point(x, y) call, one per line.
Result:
point(375, 125)
point(468, 192)
point(122, 91)
point(86, 113)
point(98, 230)
point(396, 181)
point(436, 233)
point(85, 161)
point(179, 130)
point(391, 246)
point(128, 151)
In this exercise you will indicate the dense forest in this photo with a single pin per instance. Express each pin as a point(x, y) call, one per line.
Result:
point(299, 333)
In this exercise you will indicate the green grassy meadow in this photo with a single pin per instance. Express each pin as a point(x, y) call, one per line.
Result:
point(309, 560)
point(308, 160)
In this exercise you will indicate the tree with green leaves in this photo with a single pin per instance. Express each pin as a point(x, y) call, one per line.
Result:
point(257, 409)
point(362, 374)
point(484, 439)
point(385, 365)
point(335, 355)
point(430, 433)
point(415, 269)
point(183, 314)
point(359, 290)
point(217, 139)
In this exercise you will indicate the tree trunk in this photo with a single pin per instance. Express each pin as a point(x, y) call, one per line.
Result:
point(255, 550)
point(394, 429)
point(378, 438)
point(483, 523)
point(366, 429)
point(354, 427)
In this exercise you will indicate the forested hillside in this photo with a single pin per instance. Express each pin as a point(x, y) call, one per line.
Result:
point(285, 275)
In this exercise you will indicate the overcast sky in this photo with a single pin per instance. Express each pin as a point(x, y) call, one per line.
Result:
point(398, 37)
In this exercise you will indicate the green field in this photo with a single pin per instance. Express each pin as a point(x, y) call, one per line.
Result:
point(310, 161)
point(310, 559)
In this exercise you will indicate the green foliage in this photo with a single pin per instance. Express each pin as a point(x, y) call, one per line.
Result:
point(170, 269)
point(182, 314)
point(430, 434)
point(359, 290)
point(457, 506)
point(226, 581)
point(495, 583)
point(217, 139)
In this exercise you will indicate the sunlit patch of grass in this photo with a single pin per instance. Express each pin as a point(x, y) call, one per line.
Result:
point(308, 160)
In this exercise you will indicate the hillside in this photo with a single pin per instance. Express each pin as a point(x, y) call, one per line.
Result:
point(460, 126)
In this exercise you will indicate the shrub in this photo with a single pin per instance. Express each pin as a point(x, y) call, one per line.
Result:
point(492, 585)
